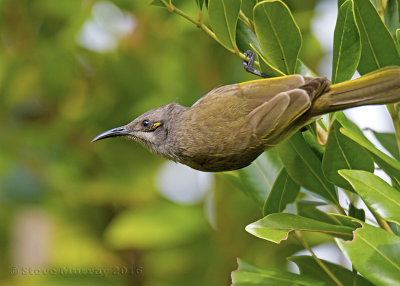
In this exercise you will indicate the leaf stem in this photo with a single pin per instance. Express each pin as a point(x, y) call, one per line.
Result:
point(200, 16)
point(383, 223)
point(299, 236)
point(246, 20)
point(340, 209)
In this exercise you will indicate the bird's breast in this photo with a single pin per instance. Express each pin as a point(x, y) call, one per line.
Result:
point(217, 140)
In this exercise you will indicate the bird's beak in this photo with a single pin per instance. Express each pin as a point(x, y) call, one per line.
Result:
point(119, 131)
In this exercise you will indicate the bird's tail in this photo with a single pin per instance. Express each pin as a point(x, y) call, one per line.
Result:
point(379, 87)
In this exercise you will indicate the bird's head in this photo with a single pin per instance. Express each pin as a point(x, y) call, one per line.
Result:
point(151, 128)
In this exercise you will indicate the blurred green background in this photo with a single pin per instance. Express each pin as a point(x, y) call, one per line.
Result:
point(93, 213)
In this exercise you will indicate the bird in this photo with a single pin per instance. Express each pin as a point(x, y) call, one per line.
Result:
point(230, 126)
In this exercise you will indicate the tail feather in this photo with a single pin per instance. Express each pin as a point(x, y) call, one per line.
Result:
point(378, 87)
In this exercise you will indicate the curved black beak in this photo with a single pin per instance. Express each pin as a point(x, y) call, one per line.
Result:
point(119, 131)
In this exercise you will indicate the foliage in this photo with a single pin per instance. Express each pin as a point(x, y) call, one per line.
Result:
point(364, 40)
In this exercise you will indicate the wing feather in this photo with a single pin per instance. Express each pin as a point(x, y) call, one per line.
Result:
point(279, 112)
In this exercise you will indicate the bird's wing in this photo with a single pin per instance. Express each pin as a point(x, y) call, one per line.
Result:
point(265, 89)
point(264, 118)
point(272, 117)
point(254, 92)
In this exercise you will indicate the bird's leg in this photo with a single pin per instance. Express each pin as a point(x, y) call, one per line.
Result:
point(248, 65)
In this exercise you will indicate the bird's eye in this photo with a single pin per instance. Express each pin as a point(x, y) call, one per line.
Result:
point(146, 123)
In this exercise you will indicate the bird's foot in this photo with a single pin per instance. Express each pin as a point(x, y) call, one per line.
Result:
point(248, 65)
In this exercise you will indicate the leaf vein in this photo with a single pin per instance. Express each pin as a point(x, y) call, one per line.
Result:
point(379, 252)
point(283, 193)
point(279, 42)
point(380, 192)
point(367, 37)
point(313, 172)
point(342, 151)
point(257, 164)
point(340, 48)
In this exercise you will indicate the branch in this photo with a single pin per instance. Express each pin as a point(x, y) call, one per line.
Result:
point(199, 23)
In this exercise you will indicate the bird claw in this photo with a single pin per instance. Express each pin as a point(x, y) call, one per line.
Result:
point(248, 64)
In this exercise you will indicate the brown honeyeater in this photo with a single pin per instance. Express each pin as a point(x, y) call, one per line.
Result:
point(230, 126)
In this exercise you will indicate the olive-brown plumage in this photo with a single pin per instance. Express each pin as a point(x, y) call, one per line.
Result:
point(232, 125)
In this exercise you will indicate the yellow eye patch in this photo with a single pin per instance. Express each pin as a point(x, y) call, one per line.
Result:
point(155, 125)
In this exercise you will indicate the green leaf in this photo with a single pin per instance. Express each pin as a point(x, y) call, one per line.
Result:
point(223, 16)
point(395, 184)
point(398, 10)
point(392, 19)
point(157, 3)
point(278, 35)
point(283, 192)
point(356, 213)
point(375, 253)
point(308, 266)
point(313, 144)
point(245, 38)
point(388, 141)
point(398, 38)
point(387, 163)
point(377, 45)
point(376, 193)
point(257, 179)
point(248, 275)
point(247, 8)
point(309, 209)
point(346, 45)
point(395, 227)
point(276, 227)
point(304, 167)
point(340, 3)
point(200, 4)
point(302, 69)
point(265, 66)
point(343, 153)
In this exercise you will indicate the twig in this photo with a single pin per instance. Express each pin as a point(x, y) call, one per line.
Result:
point(199, 23)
